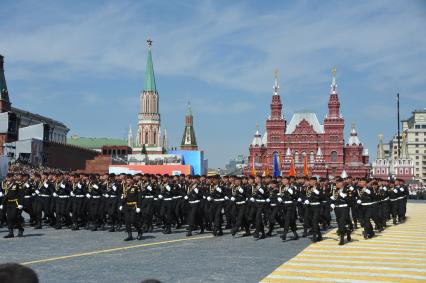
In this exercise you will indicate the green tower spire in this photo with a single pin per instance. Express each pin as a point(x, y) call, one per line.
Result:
point(149, 72)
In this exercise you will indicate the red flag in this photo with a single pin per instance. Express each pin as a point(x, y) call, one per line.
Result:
point(305, 166)
point(292, 170)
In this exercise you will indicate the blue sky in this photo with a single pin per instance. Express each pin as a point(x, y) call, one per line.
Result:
point(83, 62)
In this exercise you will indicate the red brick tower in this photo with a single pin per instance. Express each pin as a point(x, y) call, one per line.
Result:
point(188, 140)
point(275, 129)
point(334, 125)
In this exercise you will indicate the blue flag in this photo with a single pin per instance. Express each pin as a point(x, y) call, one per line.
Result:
point(276, 166)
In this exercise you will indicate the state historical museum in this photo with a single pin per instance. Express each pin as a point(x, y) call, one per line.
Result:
point(304, 142)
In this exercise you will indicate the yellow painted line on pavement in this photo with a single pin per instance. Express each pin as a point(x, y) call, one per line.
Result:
point(114, 250)
point(353, 262)
point(397, 254)
point(370, 270)
point(332, 275)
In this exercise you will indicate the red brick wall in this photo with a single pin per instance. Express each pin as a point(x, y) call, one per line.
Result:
point(99, 165)
point(66, 156)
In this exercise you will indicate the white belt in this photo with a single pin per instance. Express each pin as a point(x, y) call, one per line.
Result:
point(273, 204)
point(149, 196)
point(241, 202)
point(314, 203)
point(45, 196)
point(155, 198)
point(112, 196)
point(219, 199)
point(386, 199)
point(95, 196)
point(401, 197)
point(260, 200)
point(176, 197)
point(288, 202)
point(395, 199)
point(63, 196)
point(341, 205)
point(168, 199)
point(367, 203)
point(79, 196)
point(194, 201)
point(324, 201)
point(27, 196)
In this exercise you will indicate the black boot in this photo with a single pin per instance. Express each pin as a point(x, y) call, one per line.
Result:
point(220, 232)
point(305, 233)
point(269, 233)
point(168, 229)
point(348, 236)
point(342, 239)
point(295, 235)
point(139, 237)
point(21, 232)
point(189, 234)
point(112, 229)
point(129, 236)
point(284, 236)
point(319, 238)
point(233, 232)
point(10, 235)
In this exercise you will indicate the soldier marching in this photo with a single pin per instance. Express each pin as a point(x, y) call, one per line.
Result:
point(244, 205)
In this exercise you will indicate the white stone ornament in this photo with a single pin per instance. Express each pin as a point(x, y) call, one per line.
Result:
point(241, 190)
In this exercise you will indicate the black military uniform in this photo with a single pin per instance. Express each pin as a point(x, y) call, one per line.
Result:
point(43, 193)
point(314, 196)
point(241, 207)
point(131, 201)
point(78, 194)
point(259, 198)
point(195, 214)
point(217, 198)
point(288, 199)
point(12, 204)
point(274, 209)
point(340, 204)
point(62, 194)
point(167, 207)
point(367, 202)
point(112, 194)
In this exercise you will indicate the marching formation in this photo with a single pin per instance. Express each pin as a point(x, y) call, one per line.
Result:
point(142, 202)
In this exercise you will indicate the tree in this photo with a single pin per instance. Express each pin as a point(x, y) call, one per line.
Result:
point(144, 149)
